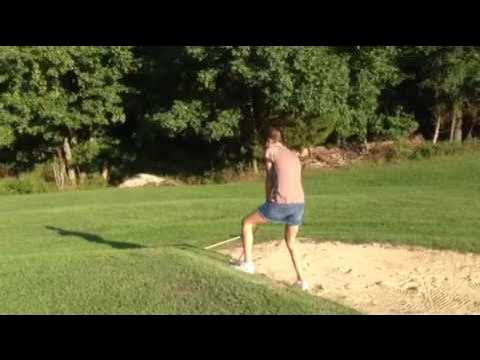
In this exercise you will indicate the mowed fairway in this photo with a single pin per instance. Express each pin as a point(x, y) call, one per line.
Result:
point(140, 251)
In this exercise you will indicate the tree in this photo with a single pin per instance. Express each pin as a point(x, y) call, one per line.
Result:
point(62, 99)
point(452, 74)
point(374, 71)
point(238, 91)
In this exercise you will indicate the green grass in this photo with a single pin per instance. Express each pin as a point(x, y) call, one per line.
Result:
point(139, 251)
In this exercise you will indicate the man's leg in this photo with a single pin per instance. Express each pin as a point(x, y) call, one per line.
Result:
point(249, 224)
point(242, 255)
point(291, 232)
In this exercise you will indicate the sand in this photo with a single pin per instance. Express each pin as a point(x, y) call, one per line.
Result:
point(378, 279)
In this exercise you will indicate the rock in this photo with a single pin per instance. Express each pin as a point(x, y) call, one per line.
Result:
point(141, 180)
point(410, 286)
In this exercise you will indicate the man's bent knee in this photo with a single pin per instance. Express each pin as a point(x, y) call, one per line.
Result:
point(253, 220)
point(247, 224)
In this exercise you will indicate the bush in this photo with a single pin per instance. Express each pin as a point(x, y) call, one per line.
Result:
point(5, 171)
point(429, 150)
point(5, 186)
point(397, 126)
point(401, 150)
point(28, 183)
point(219, 176)
point(93, 182)
point(41, 180)
point(404, 150)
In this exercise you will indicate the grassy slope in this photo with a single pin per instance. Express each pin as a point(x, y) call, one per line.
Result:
point(132, 251)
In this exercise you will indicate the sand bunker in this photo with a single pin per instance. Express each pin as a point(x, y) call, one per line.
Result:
point(379, 279)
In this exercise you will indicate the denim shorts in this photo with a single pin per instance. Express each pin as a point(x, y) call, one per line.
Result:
point(291, 214)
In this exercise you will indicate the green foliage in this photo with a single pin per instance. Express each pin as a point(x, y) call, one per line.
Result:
point(401, 150)
point(134, 108)
point(241, 90)
point(7, 136)
point(94, 181)
point(448, 77)
point(41, 180)
point(313, 92)
point(29, 183)
point(195, 116)
point(92, 154)
point(451, 72)
point(396, 126)
point(51, 93)
point(373, 69)
point(429, 150)
point(404, 150)
point(310, 130)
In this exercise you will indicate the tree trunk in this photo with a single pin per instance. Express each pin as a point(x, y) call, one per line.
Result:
point(458, 137)
point(59, 169)
point(82, 176)
point(57, 175)
point(470, 132)
point(453, 124)
point(254, 121)
point(437, 129)
point(255, 166)
point(105, 172)
point(68, 158)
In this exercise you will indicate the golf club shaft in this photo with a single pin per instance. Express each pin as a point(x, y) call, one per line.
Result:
point(222, 243)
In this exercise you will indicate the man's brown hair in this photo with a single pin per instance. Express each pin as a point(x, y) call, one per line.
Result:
point(274, 134)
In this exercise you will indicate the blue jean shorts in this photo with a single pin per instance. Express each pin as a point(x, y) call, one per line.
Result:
point(291, 214)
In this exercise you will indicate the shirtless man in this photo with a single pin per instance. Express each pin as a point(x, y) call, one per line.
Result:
point(285, 203)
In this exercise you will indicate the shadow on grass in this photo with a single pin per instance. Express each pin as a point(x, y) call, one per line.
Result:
point(95, 238)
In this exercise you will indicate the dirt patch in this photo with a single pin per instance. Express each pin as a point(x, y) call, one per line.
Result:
point(379, 279)
point(338, 157)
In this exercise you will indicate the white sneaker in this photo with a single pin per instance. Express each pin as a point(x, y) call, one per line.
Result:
point(248, 268)
point(303, 285)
